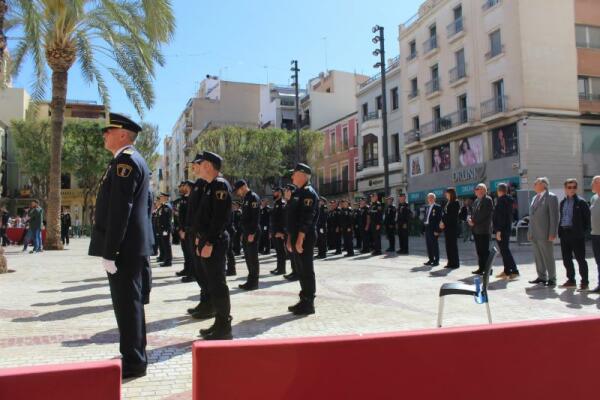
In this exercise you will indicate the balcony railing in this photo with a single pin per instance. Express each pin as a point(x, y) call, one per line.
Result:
point(589, 97)
point(371, 116)
point(430, 44)
point(455, 27)
point(411, 56)
point(412, 136)
point(449, 121)
point(336, 187)
point(287, 102)
point(495, 51)
point(432, 86)
point(373, 162)
point(457, 73)
point(496, 105)
point(487, 4)
point(392, 63)
point(392, 158)
point(413, 94)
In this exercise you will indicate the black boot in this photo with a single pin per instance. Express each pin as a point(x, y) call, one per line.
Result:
point(292, 276)
point(305, 306)
point(205, 311)
point(193, 310)
point(231, 271)
point(249, 286)
point(221, 330)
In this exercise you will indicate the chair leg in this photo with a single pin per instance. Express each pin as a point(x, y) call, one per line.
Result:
point(440, 311)
point(489, 313)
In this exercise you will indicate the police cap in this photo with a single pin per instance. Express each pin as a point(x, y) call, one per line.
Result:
point(215, 159)
point(118, 121)
point(239, 184)
point(303, 168)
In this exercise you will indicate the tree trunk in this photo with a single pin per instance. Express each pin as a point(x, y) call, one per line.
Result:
point(3, 9)
point(57, 107)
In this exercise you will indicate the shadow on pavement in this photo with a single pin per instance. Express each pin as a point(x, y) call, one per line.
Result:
point(256, 326)
point(66, 314)
point(74, 300)
point(540, 293)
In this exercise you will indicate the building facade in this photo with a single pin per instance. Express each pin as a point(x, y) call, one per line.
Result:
point(278, 106)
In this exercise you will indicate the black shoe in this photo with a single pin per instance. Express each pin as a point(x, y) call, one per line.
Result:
point(205, 311)
point(320, 256)
point(159, 260)
point(450, 267)
point(338, 252)
point(278, 272)
point(435, 264)
point(166, 264)
point(428, 263)
point(181, 273)
point(349, 255)
point(128, 373)
point(221, 330)
point(186, 279)
point(292, 276)
point(551, 283)
point(477, 272)
point(193, 310)
point(376, 253)
point(537, 281)
point(304, 308)
point(249, 286)
point(231, 272)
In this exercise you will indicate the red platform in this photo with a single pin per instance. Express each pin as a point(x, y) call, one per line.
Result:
point(555, 359)
point(99, 380)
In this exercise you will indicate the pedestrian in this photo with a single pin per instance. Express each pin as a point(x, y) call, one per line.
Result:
point(36, 218)
point(480, 222)
point(465, 212)
point(449, 226)
point(251, 232)
point(156, 247)
point(121, 235)
point(185, 187)
point(165, 227)
point(277, 229)
point(264, 246)
point(212, 241)
point(288, 191)
point(573, 227)
point(433, 217)
point(404, 215)
point(3, 227)
point(543, 228)
point(389, 221)
point(595, 224)
point(65, 225)
point(322, 228)
point(302, 222)
point(502, 225)
point(77, 226)
point(375, 223)
point(346, 223)
point(334, 234)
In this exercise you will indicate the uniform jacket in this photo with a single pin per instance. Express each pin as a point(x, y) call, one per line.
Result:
point(303, 210)
point(543, 217)
point(193, 204)
point(581, 217)
point(345, 219)
point(322, 219)
point(264, 218)
point(434, 218)
point(165, 218)
point(390, 217)
point(214, 212)
point(278, 216)
point(375, 214)
point(403, 215)
point(250, 213)
point(182, 206)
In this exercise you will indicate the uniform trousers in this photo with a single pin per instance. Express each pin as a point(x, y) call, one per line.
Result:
point(214, 270)
point(251, 256)
point(322, 242)
point(348, 244)
point(166, 254)
point(280, 253)
point(390, 233)
point(305, 265)
point(376, 238)
point(403, 240)
point(199, 273)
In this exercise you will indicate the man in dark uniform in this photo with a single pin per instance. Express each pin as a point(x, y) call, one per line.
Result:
point(322, 228)
point(237, 237)
point(346, 223)
point(277, 229)
point(364, 226)
point(375, 221)
point(122, 237)
point(288, 192)
point(156, 249)
point(212, 241)
point(231, 271)
point(302, 222)
point(182, 204)
point(402, 220)
point(389, 221)
point(65, 225)
point(251, 232)
point(357, 230)
point(165, 226)
point(264, 246)
point(334, 236)
point(175, 209)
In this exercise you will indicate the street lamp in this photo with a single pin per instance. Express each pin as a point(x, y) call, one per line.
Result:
point(295, 70)
point(379, 38)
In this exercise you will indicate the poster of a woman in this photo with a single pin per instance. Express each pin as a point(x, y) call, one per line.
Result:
point(470, 151)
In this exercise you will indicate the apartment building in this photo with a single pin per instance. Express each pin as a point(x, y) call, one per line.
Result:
point(491, 95)
point(370, 167)
point(278, 106)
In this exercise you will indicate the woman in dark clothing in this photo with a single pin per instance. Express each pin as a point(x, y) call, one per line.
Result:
point(449, 225)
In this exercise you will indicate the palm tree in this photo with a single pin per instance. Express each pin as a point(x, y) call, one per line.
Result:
point(3, 9)
point(122, 37)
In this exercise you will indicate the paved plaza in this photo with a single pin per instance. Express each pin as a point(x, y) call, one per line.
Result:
point(55, 307)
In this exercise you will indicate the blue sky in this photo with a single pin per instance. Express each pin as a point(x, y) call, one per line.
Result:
point(243, 40)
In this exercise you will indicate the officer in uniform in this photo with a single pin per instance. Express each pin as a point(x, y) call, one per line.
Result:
point(182, 203)
point(357, 227)
point(264, 246)
point(346, 225)
point(230, 254)
point(375, 222)
point(402, 220)
point(156, 246)
point(302, 223)
point(389, 221)
point(175, 209)
point(122, 236)
point(251, 232)
point(277, 230)
point(212, 241)
point(322, 228)
point(165, 226)
point(237, 237)
point(288, 191)
point(364, 226)
point(333, 225)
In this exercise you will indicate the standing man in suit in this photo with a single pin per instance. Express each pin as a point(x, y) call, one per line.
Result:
point(481, 225)
point(502, 224)
point(433, 217)
point(389, 220)
point(65, 225)
point(122, 237)
point(251, 230)
point(573, 226)
point(543, 228)
point(403, 218)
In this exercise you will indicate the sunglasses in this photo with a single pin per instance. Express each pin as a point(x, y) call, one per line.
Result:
point(571, 187)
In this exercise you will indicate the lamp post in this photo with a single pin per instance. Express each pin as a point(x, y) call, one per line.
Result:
point(295, 70)
point(379, 38)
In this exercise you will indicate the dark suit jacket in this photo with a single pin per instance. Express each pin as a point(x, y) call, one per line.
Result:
point(482, 215)
point(434, 218)
point(503, 214)
point(450, 216)
point(581, 217)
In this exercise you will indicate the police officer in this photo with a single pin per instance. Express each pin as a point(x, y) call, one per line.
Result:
point(165, 226)
point(251, 232)
point(122, 237)
point(288, 192)
point(182, 204)
point(322, 228)
point(237, 237)
point(389, 221)
point(156, 246)
point(402, 220)
point(357, 229)
point(333, 232)
point(264, 246)
point(375, 222)
point(346, 224)
point(212, 241)
point(230, 254)
point(302, 222)
point(277, 229)
point(364, 226)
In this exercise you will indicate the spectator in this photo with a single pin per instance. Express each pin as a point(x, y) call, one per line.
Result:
point(481, 223)
point(574, 224)
point(595, 223)
point(36, 216)
point(449, 225)
point(463, 215)
point(3, 226)
point(433, 217)
point(77, 227)
point(543, 228)
point(502, 222)
point(65, 225)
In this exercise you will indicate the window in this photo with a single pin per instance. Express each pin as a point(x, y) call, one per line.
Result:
point(412, 50)
point(345, 138)
point(333, 175)
point(65, 181)
point(434, 84)
point(321, 178)
point(456, 25)
point(395, 156)
point(414, 88)
point(460, 71)
point(356, 136)
point(415, 123)
point(394, 96)
point(365, 110)
point(589, 88)
point(496, 46)
point(587, 36)
point(463, 114)
point(457, 12)
point(437, 116)
point(431, 43)
point(584, 86)
point(379, 103)
point(332, 142)
point(370, 150)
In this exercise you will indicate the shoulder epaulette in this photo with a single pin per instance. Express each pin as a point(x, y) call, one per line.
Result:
point(128, 152)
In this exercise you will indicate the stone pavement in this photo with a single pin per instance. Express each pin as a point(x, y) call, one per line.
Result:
point(55, 307)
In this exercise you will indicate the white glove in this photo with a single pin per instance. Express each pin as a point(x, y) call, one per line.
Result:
point(321, 230)
point(109, 266)
point(165, 233)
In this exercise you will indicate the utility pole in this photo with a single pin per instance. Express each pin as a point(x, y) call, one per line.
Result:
point(379, 38)
point(295, 70)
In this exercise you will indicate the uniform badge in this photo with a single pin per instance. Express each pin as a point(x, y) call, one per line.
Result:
point(123, 170)
point(221, 194)
point(308, 202)
point(128, 152)
point(254, 204)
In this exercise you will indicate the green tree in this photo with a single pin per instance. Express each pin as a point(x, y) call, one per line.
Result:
point(147, 143)
point(123, 37)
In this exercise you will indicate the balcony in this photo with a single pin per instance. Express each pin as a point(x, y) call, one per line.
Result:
point(457, 73)
point(394, 158)
point(447, 122)
point(370, 116)
point(336, 187)
point(413, 94)
point(494, 52)
point(430, 44)
point(496, 105)
point(412, 136)
point(455, 27)
point(487, 4)
point(432, 86)
point(373, 162)
point(589, 97)
point(411, 56)
point(287, 102)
